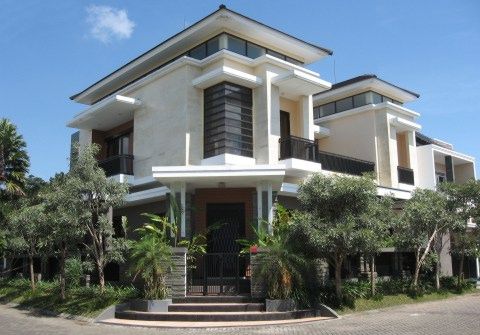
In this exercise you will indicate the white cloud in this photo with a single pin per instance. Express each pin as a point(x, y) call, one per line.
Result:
point(108, 23)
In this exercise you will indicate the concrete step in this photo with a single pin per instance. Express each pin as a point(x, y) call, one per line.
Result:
point(215, 299)
point(217, 307)
point(215, 316)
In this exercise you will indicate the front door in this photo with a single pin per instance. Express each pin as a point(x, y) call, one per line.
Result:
point(226, 224)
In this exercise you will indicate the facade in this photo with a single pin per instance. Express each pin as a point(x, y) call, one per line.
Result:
point(226, 117)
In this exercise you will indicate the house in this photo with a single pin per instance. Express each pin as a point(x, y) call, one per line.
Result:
point(226, 116)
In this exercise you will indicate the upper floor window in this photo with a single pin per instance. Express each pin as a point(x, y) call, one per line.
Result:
point(237, 45)
point(351, 102)
point(119, 145)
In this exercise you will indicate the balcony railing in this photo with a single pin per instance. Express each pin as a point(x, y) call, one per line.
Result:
point(301, 148)
point(344, 164)
point(405, 175)
point(297, 147)
point(121, 164)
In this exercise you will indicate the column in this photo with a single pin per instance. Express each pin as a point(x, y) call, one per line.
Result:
point(265, 203)
point(478, 268)
point(306, 108)
point(449, 169)
point(178, 191)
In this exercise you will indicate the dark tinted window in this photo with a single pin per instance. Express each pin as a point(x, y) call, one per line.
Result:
point(213, 46)
point(344, 104)
point(377, 98)
point(237, 45)
point(199, 52)
point(360, 100)
point(254, 51)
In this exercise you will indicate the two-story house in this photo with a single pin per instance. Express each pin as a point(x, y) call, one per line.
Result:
point(226, 116)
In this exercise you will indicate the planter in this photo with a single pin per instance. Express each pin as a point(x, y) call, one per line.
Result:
point(157, 306)
point(280, 305)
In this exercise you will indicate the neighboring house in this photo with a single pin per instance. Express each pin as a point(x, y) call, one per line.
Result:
point(226, 116)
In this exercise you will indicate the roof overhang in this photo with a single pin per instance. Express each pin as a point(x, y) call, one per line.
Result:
point(220, 175)
point(222, 20)
point(371, 84)
point(295, 83)
point(106, 114)
point(226, 73)
point(458, 158)
point(402, 124)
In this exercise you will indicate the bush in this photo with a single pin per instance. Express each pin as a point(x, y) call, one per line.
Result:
point(75, 269)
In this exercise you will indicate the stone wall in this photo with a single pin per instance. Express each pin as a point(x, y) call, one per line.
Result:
point(177, 279)
point(257, 285)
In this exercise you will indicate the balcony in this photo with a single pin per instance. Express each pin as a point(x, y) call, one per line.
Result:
point(344, 164)
point(121, 164)
point(297, 147)
point(405, 175)
point(301, 148)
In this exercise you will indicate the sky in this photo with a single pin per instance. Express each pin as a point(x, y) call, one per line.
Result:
point(50, 50)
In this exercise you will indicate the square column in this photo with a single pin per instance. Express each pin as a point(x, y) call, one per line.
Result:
point(265, 203)
point(306, 109)
point(178, 190)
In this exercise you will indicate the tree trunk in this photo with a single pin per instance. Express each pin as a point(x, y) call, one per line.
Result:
point(62, 270)
point(417, 271)
point(437, 275)
point(372, 276)
point(32, 275)
point(460, 270)
point(101, 277)
point(338, 277)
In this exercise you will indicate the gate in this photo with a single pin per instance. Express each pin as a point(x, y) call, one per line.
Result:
point(220, 274)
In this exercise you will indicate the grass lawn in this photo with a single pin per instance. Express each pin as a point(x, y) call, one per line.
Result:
point(399, 299)
point(83, 301)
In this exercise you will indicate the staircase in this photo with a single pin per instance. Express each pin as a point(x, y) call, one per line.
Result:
point(212, 311)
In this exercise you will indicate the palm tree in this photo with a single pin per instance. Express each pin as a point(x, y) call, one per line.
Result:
point(14, 162)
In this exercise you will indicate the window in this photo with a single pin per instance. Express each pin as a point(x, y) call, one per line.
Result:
point(213, 46)
point(377, 98)
point(228, 120)
point(254, 51)
point(441, 177)
point(324, 110)
point(199, 52)
point(119, 145)
point(344, 104)
point(275, 54)
point(360, 100)
point(237, 45)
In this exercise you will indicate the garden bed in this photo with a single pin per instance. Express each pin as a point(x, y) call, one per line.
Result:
point(81, 301)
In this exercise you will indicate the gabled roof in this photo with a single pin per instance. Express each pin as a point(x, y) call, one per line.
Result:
point(220, 19)
point(366, 78)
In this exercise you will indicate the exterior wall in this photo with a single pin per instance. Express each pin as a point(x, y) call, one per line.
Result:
point(464, 172)
point(169, 126)
point(426, 167)
point(402, 149)
point(291, 107)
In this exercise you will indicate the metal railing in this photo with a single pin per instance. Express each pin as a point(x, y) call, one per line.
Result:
point(344, 164)
point(297, 147)
point(405, 175)
point(219, 274)
point(301, 148)
point(121, 164)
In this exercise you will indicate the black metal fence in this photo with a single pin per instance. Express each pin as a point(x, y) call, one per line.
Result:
point(405, 175)
point(121, 164)
point(297, 147)
point(301, 148)
point(220, 274)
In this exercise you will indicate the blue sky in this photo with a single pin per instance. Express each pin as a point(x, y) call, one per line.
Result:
point(53, 49)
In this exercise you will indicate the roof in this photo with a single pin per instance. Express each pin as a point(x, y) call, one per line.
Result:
point(184, 32)
point(423, 139)
point(363, 78)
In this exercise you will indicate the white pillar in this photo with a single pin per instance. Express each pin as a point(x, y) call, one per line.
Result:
point(270, 207)
point(183, 206)
point(259, 204)
point(306, 108)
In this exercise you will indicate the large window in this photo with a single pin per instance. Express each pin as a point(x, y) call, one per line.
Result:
point(350, 103)
point(237, 45)
point(228, 120)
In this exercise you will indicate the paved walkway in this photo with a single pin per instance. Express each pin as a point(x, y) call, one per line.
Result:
point(457, 316)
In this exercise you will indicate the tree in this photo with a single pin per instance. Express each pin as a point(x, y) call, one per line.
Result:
point(14, 161)
point(463, 203)
point(64, 222)
point(424, 218)
point(336, 222)
point(152, 258)
point(94, 196)
point(27, 233)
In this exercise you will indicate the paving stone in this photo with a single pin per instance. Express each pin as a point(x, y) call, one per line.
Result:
point(457, 316)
